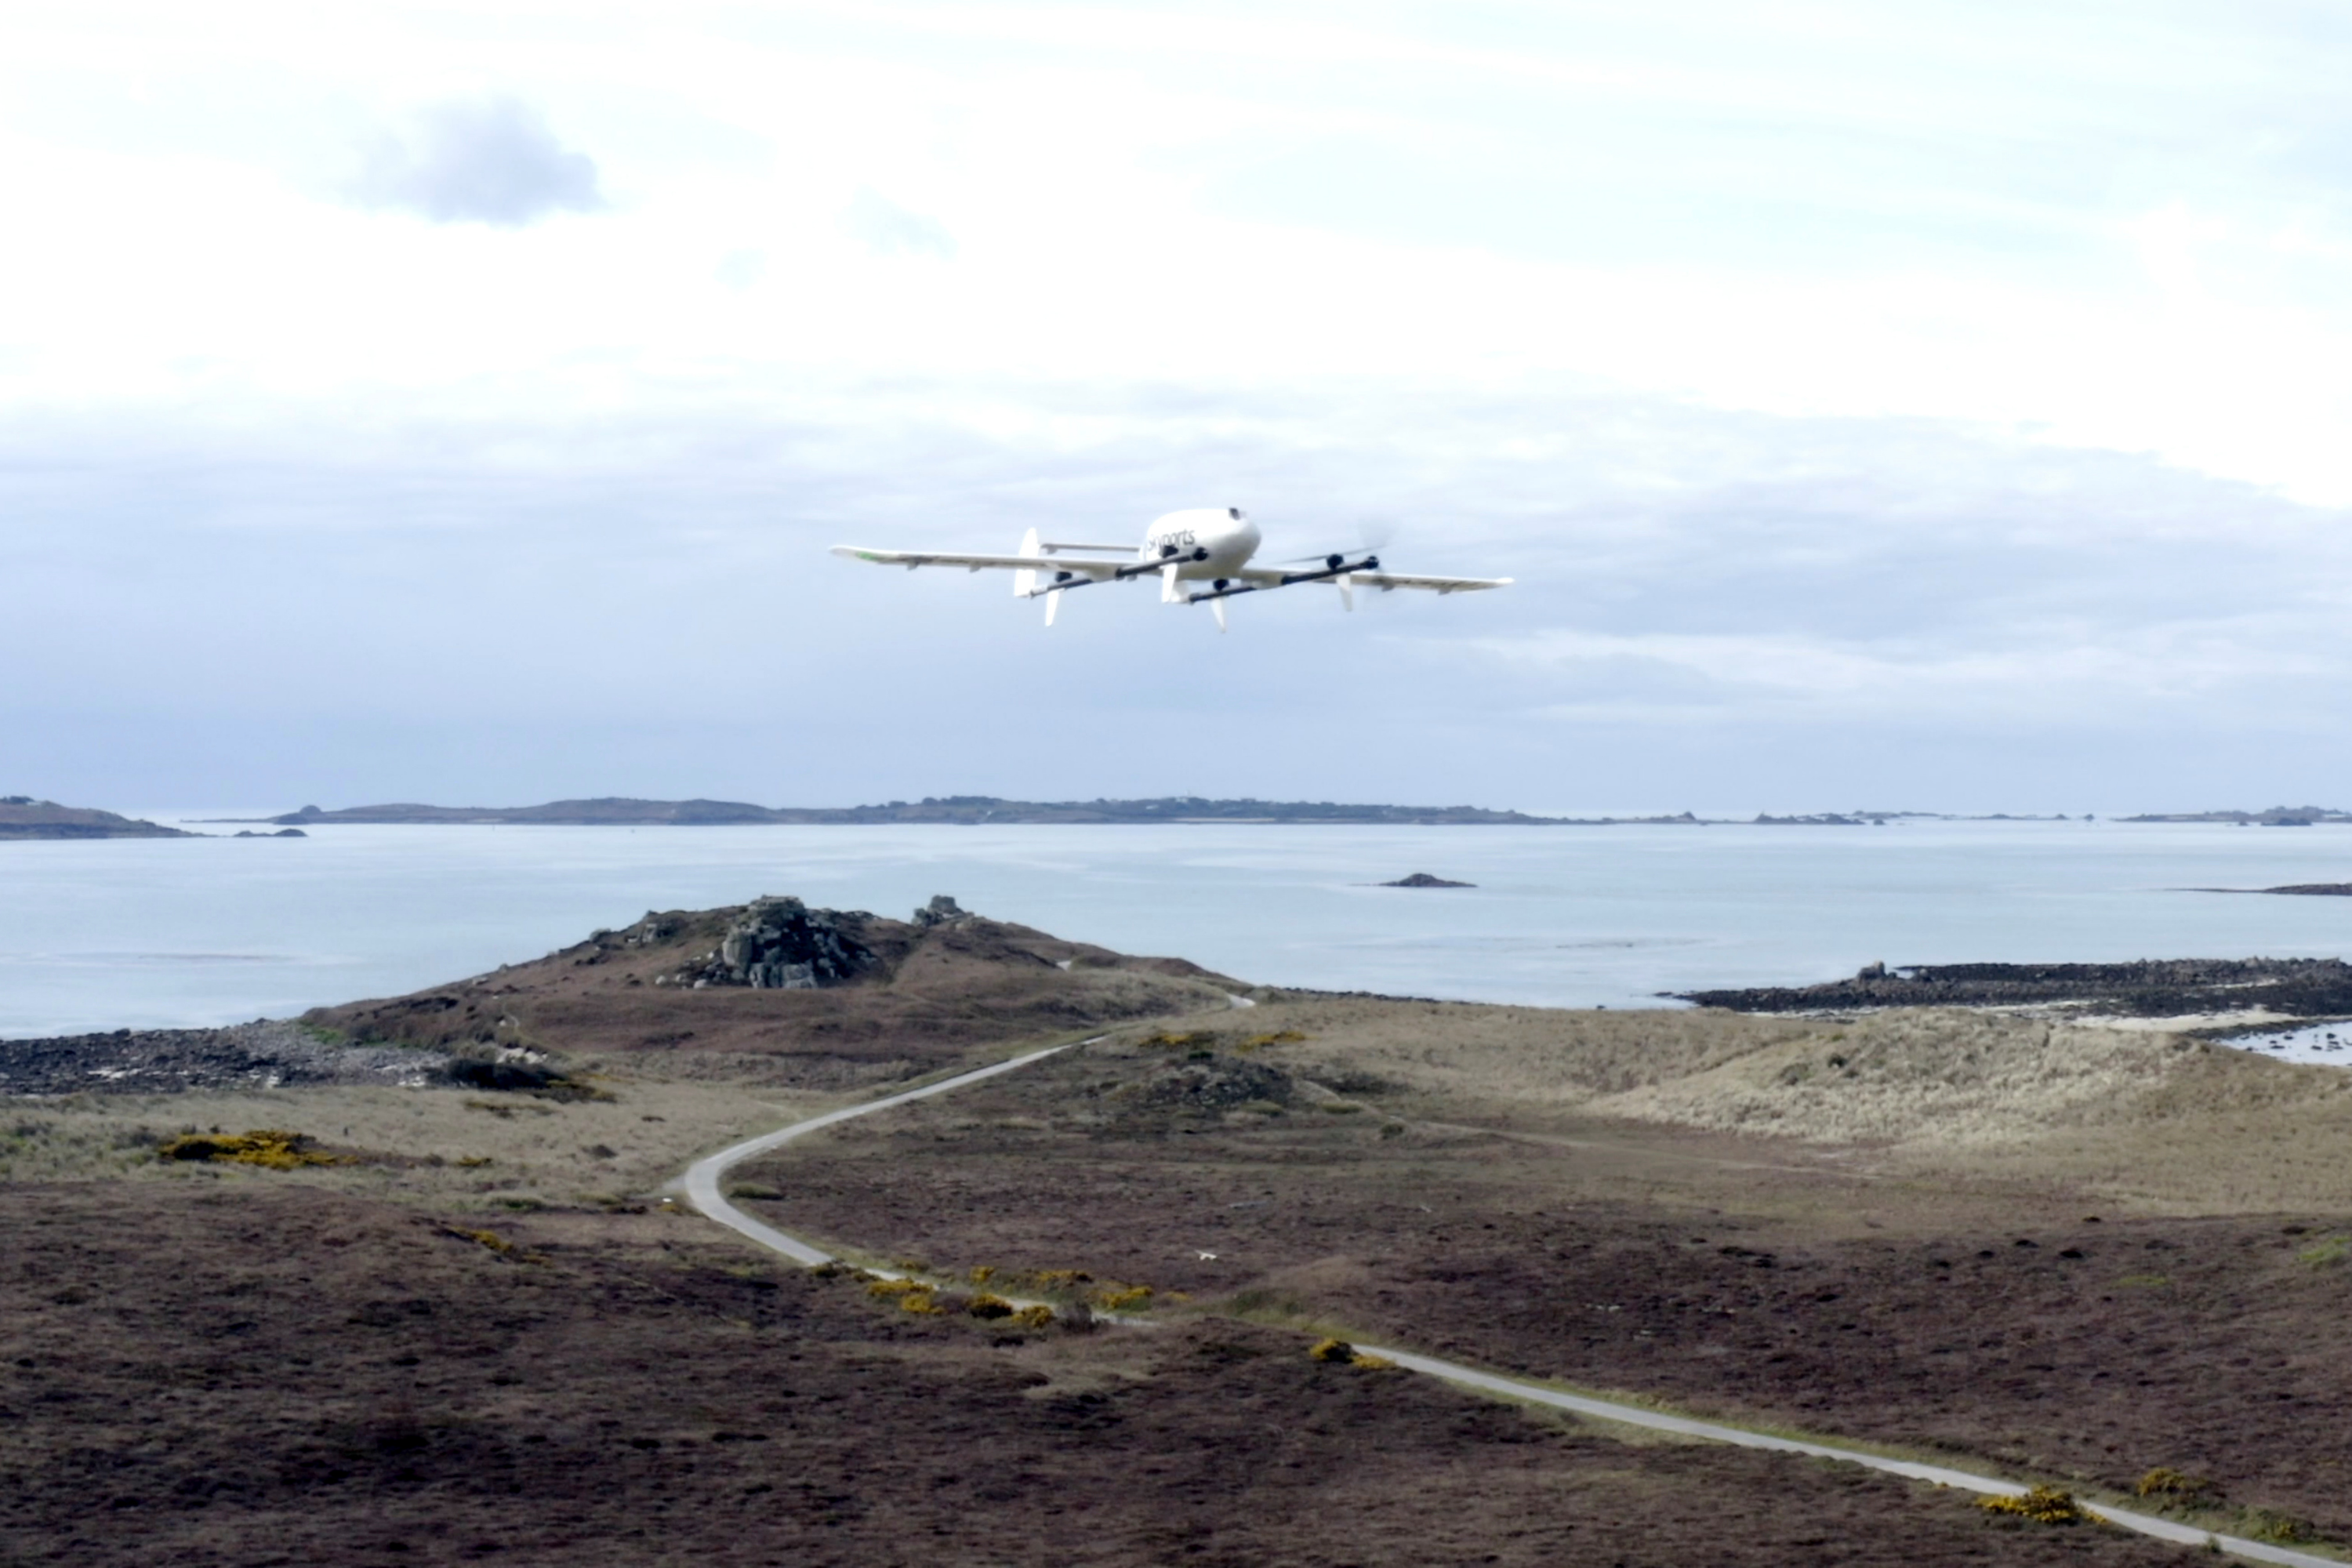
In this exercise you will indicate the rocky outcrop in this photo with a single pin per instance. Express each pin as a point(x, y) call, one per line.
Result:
point(1423, 880)
point(941, 911)
point(782, 944)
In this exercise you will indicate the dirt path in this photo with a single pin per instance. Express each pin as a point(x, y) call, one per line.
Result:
point(702, 1177)
point(702, 1188)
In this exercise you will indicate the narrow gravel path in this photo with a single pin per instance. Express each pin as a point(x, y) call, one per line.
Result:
point(702, 1190)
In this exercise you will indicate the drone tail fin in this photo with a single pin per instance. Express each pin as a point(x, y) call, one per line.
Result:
point(1025, 581)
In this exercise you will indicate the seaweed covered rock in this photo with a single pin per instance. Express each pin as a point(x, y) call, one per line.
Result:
point(782, 944)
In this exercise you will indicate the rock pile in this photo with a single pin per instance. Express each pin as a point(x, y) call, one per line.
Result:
point(782, 944)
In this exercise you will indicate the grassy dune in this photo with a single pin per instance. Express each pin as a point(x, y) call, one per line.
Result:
point(2160, 1121)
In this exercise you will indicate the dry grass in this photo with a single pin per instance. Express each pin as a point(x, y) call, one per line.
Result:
point(438, 1147)
point(2135, 1119)
point(1529, 1057)
point(1945, 1075)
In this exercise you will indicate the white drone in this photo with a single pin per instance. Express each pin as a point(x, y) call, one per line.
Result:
point(1210, 544)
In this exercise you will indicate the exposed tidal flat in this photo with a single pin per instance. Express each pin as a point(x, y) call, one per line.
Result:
point(186, 932)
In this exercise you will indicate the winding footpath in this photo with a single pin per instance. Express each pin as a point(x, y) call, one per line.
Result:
point(702, 1190)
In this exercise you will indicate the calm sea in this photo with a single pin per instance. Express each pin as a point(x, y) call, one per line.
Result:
point(180, 932)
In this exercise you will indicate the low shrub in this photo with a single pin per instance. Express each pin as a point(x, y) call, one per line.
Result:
point(270, 1148)
point(2334, 1249)
point(2044, 1505)
point(2162, 1483)
point(987, 1306)
point(2265, 1525)
point(489, 1239)
point(1123, 1297)
point(912, 1295)
point(520, 1078)
point(1339, 1353)
point(1037, 1317)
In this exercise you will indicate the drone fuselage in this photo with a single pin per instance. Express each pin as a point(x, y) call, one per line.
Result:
point(1205, 542)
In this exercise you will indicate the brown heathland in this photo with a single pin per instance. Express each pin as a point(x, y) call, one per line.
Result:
point(231, 1375)
point(481, 1334)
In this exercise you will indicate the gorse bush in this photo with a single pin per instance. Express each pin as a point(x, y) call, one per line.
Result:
point(1123, 1297)
point(2162, 1483)
point(2044, 1505)
point(269, 1147)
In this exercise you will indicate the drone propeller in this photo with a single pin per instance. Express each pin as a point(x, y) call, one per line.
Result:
point(1373, 535)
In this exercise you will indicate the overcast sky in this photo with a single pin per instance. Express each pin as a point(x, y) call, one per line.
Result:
point(1937, 407)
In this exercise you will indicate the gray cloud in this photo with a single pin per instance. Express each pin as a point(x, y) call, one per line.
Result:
point(1716, 610)
point(885, 228)
point(489, 160)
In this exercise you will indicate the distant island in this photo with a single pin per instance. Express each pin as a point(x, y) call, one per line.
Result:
point(22, 817)
point(2276, 816)
point(609, 811)
point(976, 809)
point(1423, 880)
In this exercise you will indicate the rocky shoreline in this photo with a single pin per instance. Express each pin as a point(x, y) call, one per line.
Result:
point(2291, 988)
point(268, 1052)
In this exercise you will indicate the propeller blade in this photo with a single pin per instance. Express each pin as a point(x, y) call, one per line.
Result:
point(1373, 534)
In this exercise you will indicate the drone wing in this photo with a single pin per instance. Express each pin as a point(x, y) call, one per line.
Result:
point(910, 559)
point(1435, 585)
point(1271, 577)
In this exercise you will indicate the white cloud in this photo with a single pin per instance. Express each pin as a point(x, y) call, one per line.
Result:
point(491, 160)
point(1981, 362)
point(885, 228)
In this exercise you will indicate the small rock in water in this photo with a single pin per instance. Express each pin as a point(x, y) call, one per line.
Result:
point(1423, 880)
